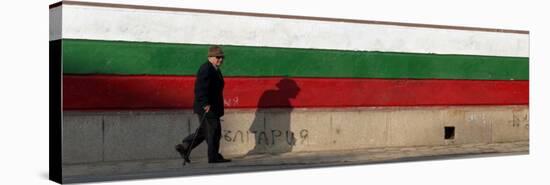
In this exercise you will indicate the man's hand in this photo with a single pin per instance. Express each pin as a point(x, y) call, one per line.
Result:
point(207, 108)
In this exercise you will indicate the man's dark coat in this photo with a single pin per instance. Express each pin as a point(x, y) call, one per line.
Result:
point(209, 91)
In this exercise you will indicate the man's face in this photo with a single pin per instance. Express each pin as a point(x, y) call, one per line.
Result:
point(217, 61)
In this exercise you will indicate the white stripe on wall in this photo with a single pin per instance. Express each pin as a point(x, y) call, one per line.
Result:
point(101, 23)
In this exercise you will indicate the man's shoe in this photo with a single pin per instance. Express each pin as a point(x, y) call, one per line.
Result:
point(183, 151)
point(220, 161)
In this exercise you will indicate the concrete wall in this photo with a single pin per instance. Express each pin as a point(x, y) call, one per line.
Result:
point(137, 135)
point(94, 136)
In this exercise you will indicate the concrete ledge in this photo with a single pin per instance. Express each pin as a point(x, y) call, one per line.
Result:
point(516, 129)
point(415, 127)
point(144, 135)
point(359, 129)
point(82, 138)
point(119, 136)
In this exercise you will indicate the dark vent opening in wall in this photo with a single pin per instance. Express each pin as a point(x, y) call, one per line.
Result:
point(449, 132)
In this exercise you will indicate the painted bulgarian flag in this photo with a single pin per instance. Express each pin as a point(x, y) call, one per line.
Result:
point(147, 59)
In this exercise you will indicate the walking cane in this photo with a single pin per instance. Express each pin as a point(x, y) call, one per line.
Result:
point(195, 136)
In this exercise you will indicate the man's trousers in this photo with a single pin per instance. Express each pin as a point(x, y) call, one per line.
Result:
point(209, 130)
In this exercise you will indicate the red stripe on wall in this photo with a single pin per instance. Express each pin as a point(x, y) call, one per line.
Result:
point(175, 92)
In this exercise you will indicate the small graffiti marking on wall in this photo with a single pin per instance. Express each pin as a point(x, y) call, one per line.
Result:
point(518, 119)
point(231, 101)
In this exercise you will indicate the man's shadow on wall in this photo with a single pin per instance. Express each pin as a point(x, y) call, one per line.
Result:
point(273, 135)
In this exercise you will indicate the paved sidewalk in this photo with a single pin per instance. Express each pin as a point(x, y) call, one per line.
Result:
point(173, 167)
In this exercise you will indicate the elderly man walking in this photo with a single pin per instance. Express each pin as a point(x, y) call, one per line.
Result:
point(208, 105)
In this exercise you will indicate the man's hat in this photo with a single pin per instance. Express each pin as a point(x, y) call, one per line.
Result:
point(215, 51)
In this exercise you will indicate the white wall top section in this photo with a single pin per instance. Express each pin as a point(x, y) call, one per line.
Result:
point(141, 25)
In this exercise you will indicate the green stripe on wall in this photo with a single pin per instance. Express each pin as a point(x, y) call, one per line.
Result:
point(140, 58)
